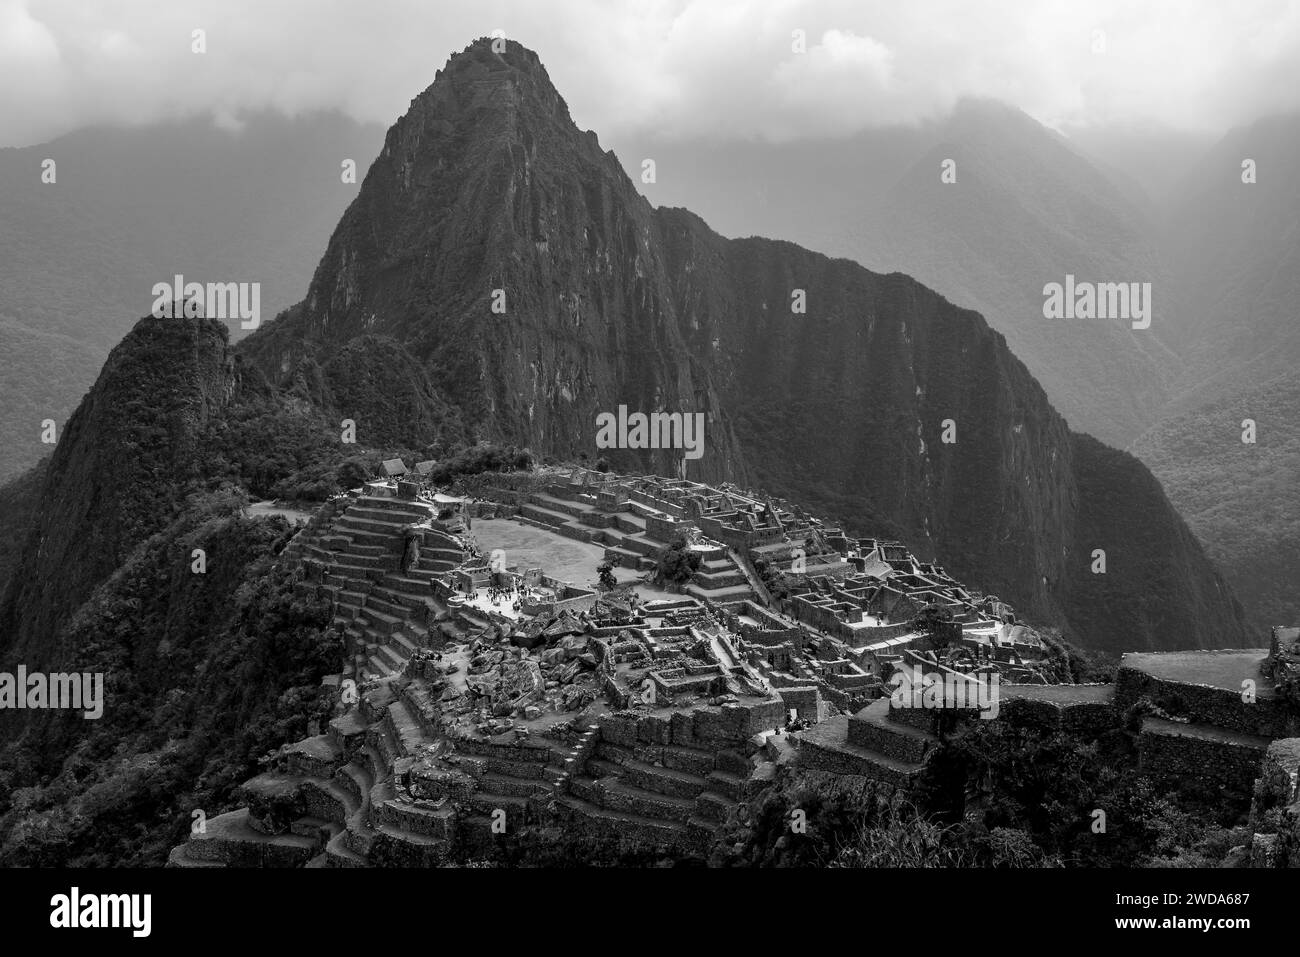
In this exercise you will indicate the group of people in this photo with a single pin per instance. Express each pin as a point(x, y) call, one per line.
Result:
point(513, 594)
point(497, 594)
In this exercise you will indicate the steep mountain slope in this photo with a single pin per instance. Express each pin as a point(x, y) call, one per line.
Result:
point(1026, 210)
point(1153, 158)
point(117, 474)
point(487, 185)
point(129, 208)
point(1234, 257)
point(19, 498)
point(1242, 500)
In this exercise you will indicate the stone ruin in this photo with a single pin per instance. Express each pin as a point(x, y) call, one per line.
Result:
point(645, 725)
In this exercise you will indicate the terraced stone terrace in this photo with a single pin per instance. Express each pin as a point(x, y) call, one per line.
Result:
point(827, 748)
point(1060, 694)
point(1225, 669)
point(352, 551)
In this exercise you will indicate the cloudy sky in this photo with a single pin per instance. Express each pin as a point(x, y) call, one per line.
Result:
point(686, 69)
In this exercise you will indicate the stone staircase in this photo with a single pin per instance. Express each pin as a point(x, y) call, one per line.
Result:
point(751, 576)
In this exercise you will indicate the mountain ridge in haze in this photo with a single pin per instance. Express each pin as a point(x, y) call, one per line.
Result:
point(1026, 210)
point(131, 207)
point(1234, 253)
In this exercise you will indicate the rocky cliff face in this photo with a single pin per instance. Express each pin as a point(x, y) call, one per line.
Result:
point(486, 189)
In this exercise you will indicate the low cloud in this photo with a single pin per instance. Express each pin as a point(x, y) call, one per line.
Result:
point(686, 69)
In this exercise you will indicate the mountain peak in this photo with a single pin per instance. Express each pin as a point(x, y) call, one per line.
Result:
point(513, 55)
point(484, 174)
point(511, 82)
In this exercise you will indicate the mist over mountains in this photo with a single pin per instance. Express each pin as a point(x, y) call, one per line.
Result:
point(1234, 250)
point(1234, 264)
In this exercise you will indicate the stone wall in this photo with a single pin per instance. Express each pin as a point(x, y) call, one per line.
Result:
point(825, 748)
point(571, 598)
point(1275, 807)
point(1087, 719)
point(1283, 664)
point(805, 700)
point(874, 633)
point(1266, 715)
point(1174, 757)
point(665, 529)
point(730, 725)
point(671, 508)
